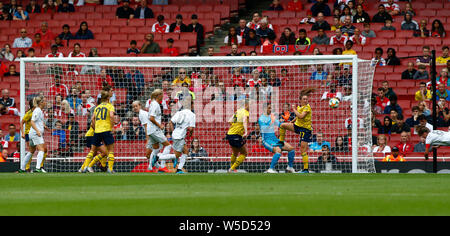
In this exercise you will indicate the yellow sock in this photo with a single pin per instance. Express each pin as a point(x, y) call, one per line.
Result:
point(87, 160)
point(305, 160)
point(238, 162)
point(282, 134)
point(28, 166)
point(103, 161)
point(233, 159)
point(111, 161)
point(95, 160)
point(45, 156)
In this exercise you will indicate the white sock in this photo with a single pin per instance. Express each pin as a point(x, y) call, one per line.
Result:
point(153, 155)
point(182, 161)
point(40, 158)
point(164, 157)
point(24, 161)
point(163, 163)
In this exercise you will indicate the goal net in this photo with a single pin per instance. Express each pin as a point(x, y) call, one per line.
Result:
point(217, 85)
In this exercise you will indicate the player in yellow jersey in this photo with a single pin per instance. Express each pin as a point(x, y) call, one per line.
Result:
point(236, 135)
point(301, 126)
point(90, 161)
point(25, 163)
point(103, 123)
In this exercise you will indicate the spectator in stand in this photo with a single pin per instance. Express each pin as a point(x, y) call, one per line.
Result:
point(392, 59)
point(20, 14)
point(443, 116)
point(367, 32)
point(54, 52)
point(348, 29)
point(401, 126)
point(234, 50)
point(170, 49)
point(143, 11)
point(357, 38)
point(409, 72)
point(232, 37)
point(319, 73)
point(252, 39)
point(321, 6)
point(388, 25)
point(178, 26)
point(420, 147)
point(295, 5)
point(319, 143)
point(287, 37)
point(47, 36)
point(237, 78)
point(337, 51)
point(58, 42)
point(389, 92)
point(12, 71)
point(242, 29)
point(423, 109)
point(442, 60)
point(393, 106)
point(404, 146)
point(133, 49)
point(408, 23)
point(73, 99)
point(181, 78)
point(413, 121)
point(196, 150)
point(150, 46)
point(321, 23)
point(339, 145)
point(38, 43)
point(49, 6)
point(6, 53)
point(422, 30)
point(421, 73)
point(344, 13)
point(378, 59)
point(309, 19)
point(58, 89)
point(13, 135)
point(138, 132)
point(84, 32)
point(160, 2)
point(382, 100)
point(6, 100)
point(348, 49)
point(211, 51)
point(23, 41)
point(361, 16)
point(104, 79)
point(5, 16)
point(423, 94)
point(125, 11)
point(160, 26)
point(255, 80)
point(321, 38)
point(443, 92)
point(392, 8)
point(326, 157)
point(276, 6)
point(254, 24)
point(65, 6)
point(33, 7)
point(336, 24)
point(386, 126)
point(76, 51)
point(19, 54)
point(425, 59)
point(382, 146)
point(302, 38)
point(394, 156)
point(136, 87)
point(338, 38)
point(382, 15)
point(66, 34)
point(408, 8)
point(437, 29)
point(263, 30)
point(194, 26)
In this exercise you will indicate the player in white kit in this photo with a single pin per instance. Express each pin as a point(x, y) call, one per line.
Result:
point(435, 138)
point(145, 122)
point(184, 122)
point(155, 133)
point(37, 131)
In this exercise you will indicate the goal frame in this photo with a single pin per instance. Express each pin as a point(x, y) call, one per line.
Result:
point(342, 58)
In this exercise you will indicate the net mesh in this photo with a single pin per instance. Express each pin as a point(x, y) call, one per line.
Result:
point(218, 87)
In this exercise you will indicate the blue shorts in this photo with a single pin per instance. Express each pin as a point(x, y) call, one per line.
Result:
point(106, 137)
point(27, 138)
point(235, 140)
point(271, 142)
point(305, 134)
point(90, 141)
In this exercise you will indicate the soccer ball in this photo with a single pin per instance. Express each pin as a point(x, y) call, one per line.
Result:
point(334, 103)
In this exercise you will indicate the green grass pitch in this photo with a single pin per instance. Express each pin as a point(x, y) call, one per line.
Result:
point(224, 194)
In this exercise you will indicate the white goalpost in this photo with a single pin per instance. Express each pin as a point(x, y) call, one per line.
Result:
point(217, 85)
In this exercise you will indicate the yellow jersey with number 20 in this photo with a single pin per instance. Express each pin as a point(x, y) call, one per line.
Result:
point(102, 117)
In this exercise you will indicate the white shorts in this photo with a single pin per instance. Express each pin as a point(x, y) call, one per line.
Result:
point(156, 137)
point(178, 145)
point(35, 140)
